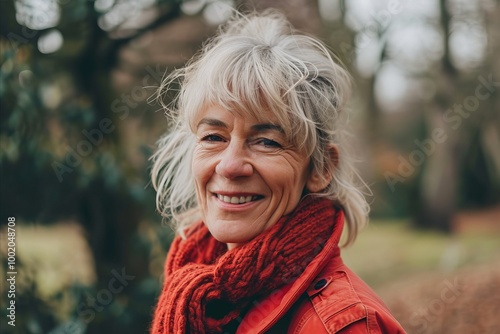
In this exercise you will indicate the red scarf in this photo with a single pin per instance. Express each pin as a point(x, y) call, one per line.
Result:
point(207, 287)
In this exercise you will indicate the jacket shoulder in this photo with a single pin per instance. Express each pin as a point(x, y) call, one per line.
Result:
point(340, 302)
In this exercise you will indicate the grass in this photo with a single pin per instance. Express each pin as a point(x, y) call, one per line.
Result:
point(388, 251)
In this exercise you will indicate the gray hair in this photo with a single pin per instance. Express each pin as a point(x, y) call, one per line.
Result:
point(258, 62)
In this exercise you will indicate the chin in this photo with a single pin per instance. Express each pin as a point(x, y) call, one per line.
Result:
point(225, 235)
point(231, 239)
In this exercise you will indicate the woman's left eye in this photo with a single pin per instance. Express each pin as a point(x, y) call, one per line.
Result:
point(268, 143)
point(212, 138)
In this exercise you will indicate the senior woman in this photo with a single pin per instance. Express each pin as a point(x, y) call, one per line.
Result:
point(256, 177)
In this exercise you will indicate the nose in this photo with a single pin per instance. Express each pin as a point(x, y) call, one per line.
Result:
point(234, 161)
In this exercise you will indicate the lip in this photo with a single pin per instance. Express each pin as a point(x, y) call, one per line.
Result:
point(234, 193)
point(232, 206)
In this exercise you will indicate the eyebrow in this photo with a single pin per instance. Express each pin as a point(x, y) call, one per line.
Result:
point(212, 122)
point(256, 127)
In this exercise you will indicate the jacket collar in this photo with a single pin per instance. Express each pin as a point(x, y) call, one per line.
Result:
point(267, 311)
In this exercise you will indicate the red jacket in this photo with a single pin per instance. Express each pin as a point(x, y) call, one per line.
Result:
point(327, 298)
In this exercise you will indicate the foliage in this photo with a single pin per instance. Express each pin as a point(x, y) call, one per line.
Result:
point(62, 159)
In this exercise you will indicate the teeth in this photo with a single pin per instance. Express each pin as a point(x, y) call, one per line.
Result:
point(235, 199)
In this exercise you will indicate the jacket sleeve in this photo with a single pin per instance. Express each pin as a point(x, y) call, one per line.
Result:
point(373, 324)
point(358, 327)
point(363, 326)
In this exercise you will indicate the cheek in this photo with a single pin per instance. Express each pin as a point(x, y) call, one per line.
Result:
point(203, 168)
point(286, 179)
point(198, 174)
point(200, 181)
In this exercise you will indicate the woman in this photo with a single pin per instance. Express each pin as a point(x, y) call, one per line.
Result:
point(256, 177)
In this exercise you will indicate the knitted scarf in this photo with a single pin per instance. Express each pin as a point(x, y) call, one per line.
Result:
point(207, 288)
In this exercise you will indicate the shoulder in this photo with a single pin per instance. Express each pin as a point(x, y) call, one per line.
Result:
point(338, 301)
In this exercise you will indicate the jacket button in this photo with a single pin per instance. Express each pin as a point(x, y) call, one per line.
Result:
point(319, 284)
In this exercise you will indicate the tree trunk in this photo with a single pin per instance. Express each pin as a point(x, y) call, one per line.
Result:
point(437, 186)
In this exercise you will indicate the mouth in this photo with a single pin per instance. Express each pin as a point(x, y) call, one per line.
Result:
point(241, 199)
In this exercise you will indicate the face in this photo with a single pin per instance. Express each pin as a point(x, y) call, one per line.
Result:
point(246, 174)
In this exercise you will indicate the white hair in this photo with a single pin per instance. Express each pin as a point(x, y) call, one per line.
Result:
point(258, 62)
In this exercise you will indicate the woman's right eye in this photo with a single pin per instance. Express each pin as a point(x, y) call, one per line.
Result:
point(212, 138)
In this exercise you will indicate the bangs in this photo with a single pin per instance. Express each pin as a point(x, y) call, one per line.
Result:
point(243, 77)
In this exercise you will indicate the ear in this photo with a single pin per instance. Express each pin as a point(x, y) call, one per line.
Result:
point(316, 182)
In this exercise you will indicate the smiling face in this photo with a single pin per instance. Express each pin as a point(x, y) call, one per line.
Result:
point(247, 175)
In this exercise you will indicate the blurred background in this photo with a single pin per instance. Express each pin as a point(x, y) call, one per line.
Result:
point(78, 125)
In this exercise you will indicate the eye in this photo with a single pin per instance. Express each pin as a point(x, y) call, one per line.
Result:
point(212, 138)
point(269, 143)
point(266, 145)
